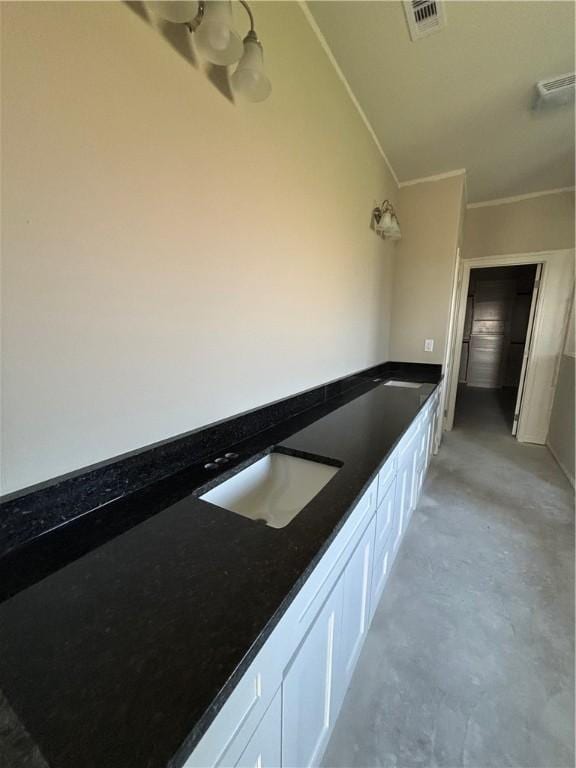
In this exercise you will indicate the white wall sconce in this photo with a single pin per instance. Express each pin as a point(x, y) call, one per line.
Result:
point(385, 221)
point(218, 42)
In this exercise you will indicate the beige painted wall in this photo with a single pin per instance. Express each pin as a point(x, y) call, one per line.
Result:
point(170, 258)
point(542, 223)
point(562, 433)
point(430, 215)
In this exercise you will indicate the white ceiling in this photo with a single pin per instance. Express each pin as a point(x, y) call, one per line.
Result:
point(461, 98)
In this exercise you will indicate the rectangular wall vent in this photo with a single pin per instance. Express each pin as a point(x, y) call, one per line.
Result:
point(555, 91)
point(424, 17)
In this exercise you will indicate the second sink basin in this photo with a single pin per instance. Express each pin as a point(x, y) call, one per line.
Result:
point(273, 489)
point(405, 384)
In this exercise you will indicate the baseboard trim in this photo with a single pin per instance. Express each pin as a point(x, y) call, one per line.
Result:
point(561, 465)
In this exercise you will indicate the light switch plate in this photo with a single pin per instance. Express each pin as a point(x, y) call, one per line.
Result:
point(429, 345)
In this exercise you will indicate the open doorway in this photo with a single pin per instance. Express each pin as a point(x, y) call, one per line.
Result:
point(550, 305)
point(495, 342)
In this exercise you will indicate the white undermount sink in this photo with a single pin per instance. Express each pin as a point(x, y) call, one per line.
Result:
point(273, 489)
point(407, 384)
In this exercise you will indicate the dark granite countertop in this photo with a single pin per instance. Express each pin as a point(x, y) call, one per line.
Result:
point(125, 641)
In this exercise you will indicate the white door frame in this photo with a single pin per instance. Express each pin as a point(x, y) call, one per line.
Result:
point(549, 329)
point(527, 346)
point(451, 338)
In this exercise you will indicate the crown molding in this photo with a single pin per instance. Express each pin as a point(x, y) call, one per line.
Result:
point(435, 177)
point(518, 198)
point(328, 51)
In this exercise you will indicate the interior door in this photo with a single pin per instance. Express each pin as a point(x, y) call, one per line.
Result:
point(488, 339)
point(527, 346)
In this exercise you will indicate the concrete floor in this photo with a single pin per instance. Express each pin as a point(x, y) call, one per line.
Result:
point(470, 658)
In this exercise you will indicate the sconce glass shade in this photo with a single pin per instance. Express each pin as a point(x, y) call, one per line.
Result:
point(394, 232)
point(176, 11)
point(385, 224)
point(215, 38)
point(249, 80)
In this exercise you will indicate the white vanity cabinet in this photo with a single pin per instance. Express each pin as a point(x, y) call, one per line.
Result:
point(278, 664)
point(282, 711)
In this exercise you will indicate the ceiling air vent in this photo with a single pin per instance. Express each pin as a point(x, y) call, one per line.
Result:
point(424, 17)
point(555, 92)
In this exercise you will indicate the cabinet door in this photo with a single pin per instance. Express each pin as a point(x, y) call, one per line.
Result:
point(226, 739)
point(419, 466)
point(406, 483)
point(265, 747)
point(421, 460)
point(357, 579)
point(431, 431)
point(403, 501)
point(419, 476)
point(308, 694)
point(418, 452)
point(437, 426)
point(382, 553)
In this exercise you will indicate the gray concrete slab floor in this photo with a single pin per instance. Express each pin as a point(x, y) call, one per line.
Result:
point(470, 658)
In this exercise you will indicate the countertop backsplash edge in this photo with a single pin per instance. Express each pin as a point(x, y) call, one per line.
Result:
point(30, 513)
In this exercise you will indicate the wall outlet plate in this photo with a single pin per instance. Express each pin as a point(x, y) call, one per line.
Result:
point(428, 345)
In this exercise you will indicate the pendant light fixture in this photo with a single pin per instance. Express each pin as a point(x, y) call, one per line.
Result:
point(218, 42)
